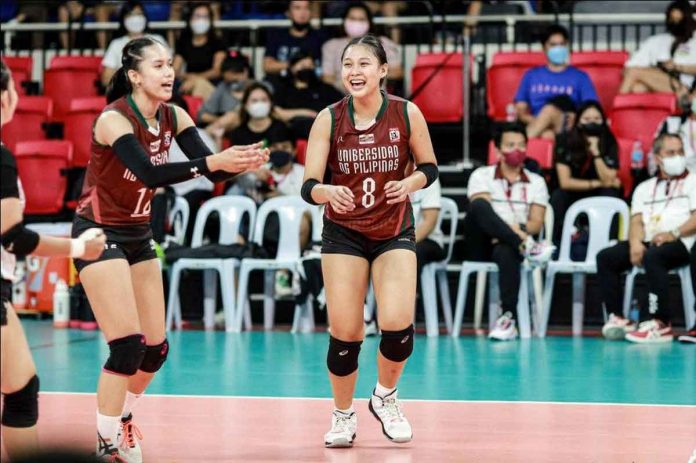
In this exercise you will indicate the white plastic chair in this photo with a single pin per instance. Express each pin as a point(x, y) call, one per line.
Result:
point(231, 210)
point(684, 274)
point(537, 279)
point(600, 212)
point(179, 219)
point(436, 272)
point(290, 210)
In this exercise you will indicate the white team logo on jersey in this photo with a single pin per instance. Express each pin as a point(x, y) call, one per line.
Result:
point(394, 135)
point(366, 139)
point(154, 146)
point(167, 138)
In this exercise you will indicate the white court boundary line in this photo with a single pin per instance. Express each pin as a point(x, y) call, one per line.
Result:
point(527, 402)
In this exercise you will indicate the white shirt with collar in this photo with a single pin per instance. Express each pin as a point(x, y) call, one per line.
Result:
point(665, 204)
point(512, 202)
point(428, 198)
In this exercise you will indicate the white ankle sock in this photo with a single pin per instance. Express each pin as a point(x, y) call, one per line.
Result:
point(383, 391)
point(347, 411)
point(108, 427)
point(129, 403)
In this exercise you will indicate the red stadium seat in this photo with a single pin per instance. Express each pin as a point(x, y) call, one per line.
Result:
point(78, 127)
point(194, 104)
point(71, 77)
point(77, 62)
point(539, 149)
point(300, 151)
point(21, 67)
point(40, 165)
point(624, 173)
point(637, 116)
point(440, 99)
point(504, 77)
point(605, 68)
point(27, 123)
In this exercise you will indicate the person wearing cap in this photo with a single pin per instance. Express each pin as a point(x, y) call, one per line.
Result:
point(236, 73)
point(304, 94)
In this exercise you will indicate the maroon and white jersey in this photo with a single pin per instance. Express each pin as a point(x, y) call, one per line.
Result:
point(111, 194)
point(365, 160)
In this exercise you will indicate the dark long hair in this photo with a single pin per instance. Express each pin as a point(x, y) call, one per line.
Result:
point(4, 76)
point(374, 44)
point(243, 114)
point(576, 142)
point(688, 17)
point(187, 33)
point(127, 9)
point(120, 85)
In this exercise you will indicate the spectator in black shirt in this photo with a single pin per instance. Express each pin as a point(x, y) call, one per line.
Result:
point(281, 44)
point(199, 53)
point(257, 119)
point(220, 110)
point(587, 162)
point(304, 95)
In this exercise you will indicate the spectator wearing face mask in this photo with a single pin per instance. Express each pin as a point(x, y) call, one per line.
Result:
point(357, 22)
point(661, 233)
point(666, 62)
point(302, 97)
point(199, 53)
point(548, 95)
point(587, 160)
point(282, 44)
point(133, 24)
point(257, 119)
point(220, 110)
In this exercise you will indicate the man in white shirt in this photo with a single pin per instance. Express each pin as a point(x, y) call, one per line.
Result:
point(662, 230)
point(665, 62)
point(507, 208)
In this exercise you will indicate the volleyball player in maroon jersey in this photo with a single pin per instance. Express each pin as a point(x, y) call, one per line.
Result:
point(20, 383)
point(365, 144)
point(129, 159)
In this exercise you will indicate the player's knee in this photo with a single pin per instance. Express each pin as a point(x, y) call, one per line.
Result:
point(342, 358)
point(397, 346)
point(126, 355)
point(21, 409)
point(154, 357)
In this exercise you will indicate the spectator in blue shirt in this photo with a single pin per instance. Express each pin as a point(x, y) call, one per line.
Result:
point(548, 95)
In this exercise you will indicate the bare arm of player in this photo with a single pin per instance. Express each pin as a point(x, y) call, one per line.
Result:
point(90, 247)
point(340, 198)
point(248, 157)
point(422, 149)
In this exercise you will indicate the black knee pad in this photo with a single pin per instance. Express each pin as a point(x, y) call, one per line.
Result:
point(155, 357)
point(397, 346)
point(21, 408)
point(126, 355)
point(342, 358)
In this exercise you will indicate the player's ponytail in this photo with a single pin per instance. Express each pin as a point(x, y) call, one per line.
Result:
point(120, 84)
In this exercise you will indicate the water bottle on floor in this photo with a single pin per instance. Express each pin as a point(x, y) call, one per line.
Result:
point(61, 305)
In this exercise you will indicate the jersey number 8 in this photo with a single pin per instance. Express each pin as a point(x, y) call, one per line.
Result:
point(369, 186)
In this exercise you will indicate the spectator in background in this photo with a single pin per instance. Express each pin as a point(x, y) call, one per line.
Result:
point(587, 162)
point(302, 97)
point(281, 45)
point(549, 95)
point(685, 127)
point(507, 206)
point(257, 119)
point(133, 24)
point(74, 13)
point(665, 62)
point(220, 110)
point(357, 22)
point(662, 230)
point(199, 53)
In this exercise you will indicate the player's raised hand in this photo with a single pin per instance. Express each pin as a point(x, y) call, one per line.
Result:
point(341, 199)
point(236, 160)
point(396, 192)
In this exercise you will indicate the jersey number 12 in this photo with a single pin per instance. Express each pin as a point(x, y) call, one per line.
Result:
point(138, 212)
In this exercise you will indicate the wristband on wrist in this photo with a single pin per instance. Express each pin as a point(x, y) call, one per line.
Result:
point(77, 248)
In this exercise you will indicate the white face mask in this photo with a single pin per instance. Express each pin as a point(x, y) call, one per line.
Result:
point(135, 23)
point(674, 166)
point(200, 26)
point(259, 109)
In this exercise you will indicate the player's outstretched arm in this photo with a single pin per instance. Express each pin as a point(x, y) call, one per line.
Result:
point(340, 198)
point(426, 164)
point(246, 157)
